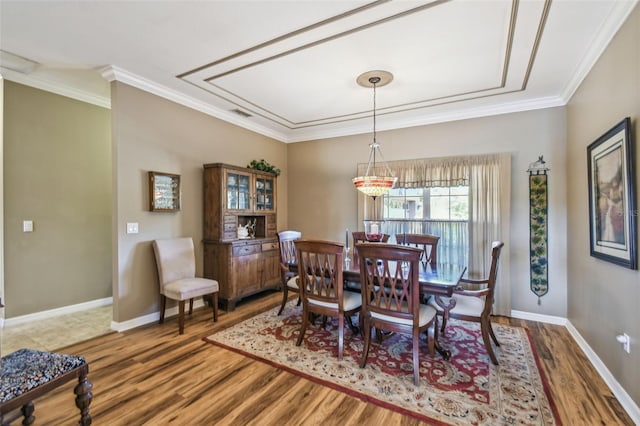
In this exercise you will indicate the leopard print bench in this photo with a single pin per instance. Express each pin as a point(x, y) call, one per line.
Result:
point(27, 374)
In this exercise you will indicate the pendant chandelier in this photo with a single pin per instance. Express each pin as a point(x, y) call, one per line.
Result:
point(377, 180)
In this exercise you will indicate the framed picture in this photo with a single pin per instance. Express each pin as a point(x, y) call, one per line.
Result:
point(612, 204)
point(164, 192)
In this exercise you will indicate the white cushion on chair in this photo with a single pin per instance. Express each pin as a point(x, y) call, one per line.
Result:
point(293, 282)
point(188, 288)
point(350, 301)
point(426, 314)
point(465, 305)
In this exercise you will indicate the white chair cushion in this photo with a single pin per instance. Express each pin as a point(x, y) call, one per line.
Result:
point(465, 305)
point(425, 315)
point(190, 287)
point(350, 301)
point(293, 282)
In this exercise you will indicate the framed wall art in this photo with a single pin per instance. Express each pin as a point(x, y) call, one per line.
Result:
point(164, 192)
point(612, 203)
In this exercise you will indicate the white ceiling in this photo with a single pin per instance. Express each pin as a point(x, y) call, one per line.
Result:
point(292, 65)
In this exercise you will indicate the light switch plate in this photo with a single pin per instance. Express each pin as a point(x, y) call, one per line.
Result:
point(27, 226)
point(132, 228)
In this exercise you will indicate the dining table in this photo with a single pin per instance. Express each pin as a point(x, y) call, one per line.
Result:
point(436, 280)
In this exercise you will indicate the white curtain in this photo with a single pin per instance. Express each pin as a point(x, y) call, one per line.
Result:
point(489, 180)
point(489, 218)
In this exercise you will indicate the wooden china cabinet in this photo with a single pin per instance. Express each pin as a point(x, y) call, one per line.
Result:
point(237, 196)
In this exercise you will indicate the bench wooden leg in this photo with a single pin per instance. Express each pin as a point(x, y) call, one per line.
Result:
point(27, 412)
point(83, 398)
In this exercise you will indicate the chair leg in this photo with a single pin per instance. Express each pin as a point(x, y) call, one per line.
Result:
point(493, 336)
point(444, 323)
point(303, 327)
point(163, 304)
point(340, 336)
point(432, 335)
point(416, 359)
point(353, 328)
point(285, 297)
point(484, 328)
point(191, 306)
point(367, 341)
point(181, 317)
point(215, 307)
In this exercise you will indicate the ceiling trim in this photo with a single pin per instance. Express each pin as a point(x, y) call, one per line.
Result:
point(619, 14)
point(465, 114)
point(56, 87)
point(207, 85)
point(113, 73)
point(285, 37)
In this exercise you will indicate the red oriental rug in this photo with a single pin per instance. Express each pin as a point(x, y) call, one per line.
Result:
point(467, 389)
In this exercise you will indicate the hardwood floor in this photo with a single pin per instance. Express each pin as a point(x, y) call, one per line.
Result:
point(151, 375)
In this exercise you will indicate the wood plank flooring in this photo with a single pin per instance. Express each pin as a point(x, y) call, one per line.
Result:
point(153, 376)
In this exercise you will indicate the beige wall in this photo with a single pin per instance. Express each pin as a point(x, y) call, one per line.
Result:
point(323, 201)
point(604, 298)
point(151, 133)
point(57, 173)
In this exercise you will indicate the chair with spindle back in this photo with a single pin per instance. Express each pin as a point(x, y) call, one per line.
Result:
point(427, 243)
point(288, 256)
point(391, 297)
point(474, 305)
point(321, 286)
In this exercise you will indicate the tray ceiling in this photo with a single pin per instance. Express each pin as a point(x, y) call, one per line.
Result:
point(288, 69)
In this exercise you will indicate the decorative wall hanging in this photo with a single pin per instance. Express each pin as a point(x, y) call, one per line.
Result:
point(538, 228)
point(612, 207)
point(164, 192)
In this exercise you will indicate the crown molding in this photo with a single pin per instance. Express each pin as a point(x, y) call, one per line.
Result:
point(610, 27)
point(113, 73)
point(427, 119)
point(56, 87)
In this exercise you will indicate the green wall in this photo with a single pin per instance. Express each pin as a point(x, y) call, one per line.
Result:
point(57, 173)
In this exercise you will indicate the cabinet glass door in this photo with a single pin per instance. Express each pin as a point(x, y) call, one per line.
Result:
point(238, 191)
point(264, 193)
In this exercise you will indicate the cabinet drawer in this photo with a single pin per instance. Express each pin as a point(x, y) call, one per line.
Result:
point(269, 246)
point(230, 227)
point(245, 250)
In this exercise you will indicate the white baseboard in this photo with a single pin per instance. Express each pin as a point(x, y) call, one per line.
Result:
point(539, 318)
point(43, 315)
point(625, 400)
point(153, 317)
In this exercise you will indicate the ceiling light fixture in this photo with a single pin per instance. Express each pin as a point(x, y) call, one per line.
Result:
point(377, 180)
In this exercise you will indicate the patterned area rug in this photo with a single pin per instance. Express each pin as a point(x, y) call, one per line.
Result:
point(467, 389)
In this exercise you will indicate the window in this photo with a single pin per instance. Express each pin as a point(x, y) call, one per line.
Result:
point(437, 203)
point(442, 211)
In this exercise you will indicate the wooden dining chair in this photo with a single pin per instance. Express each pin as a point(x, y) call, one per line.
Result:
point(288, 256)
point(474, 305)
point(360, 237)
point(391, 297)
point(427, 243)
point(321, 286)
